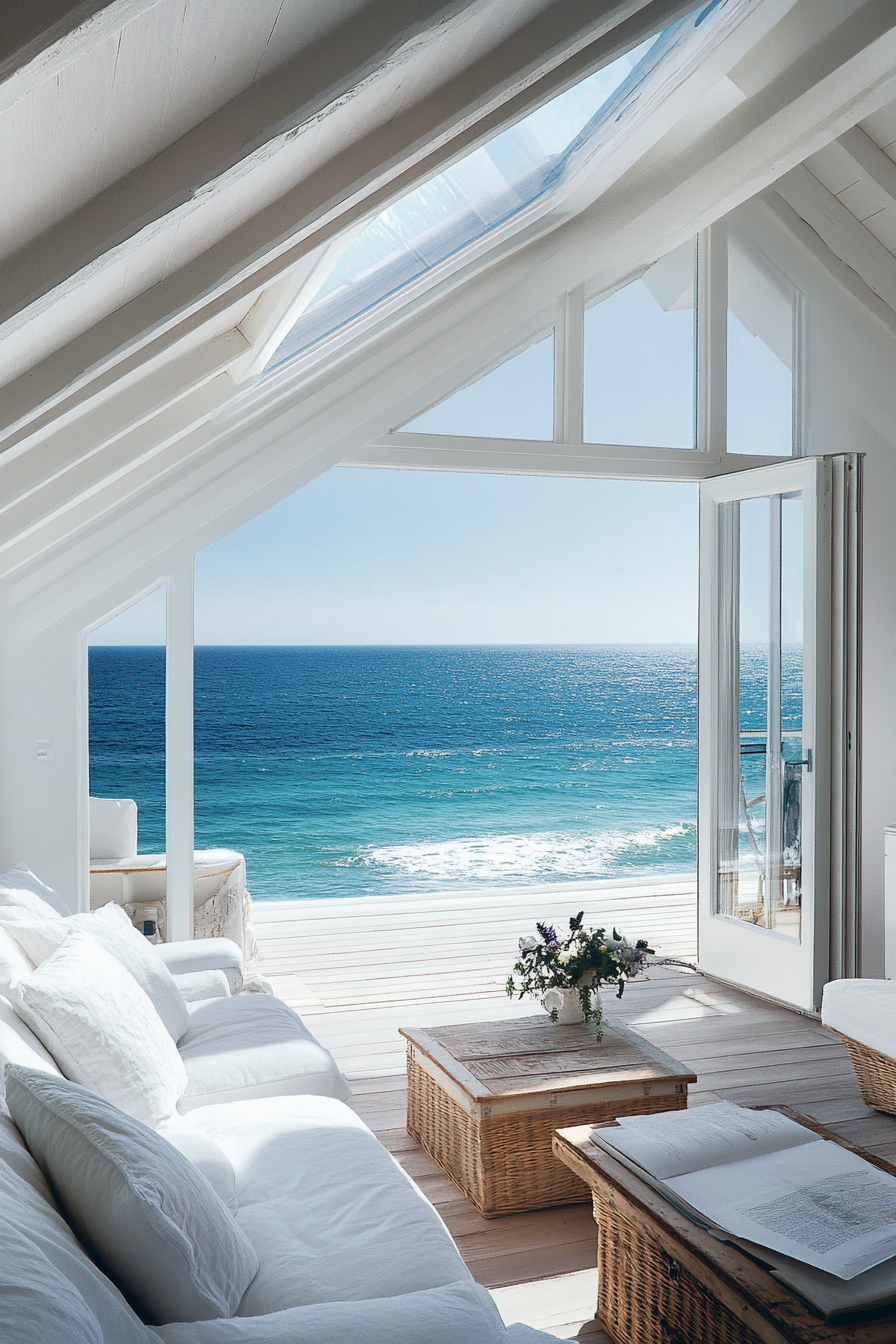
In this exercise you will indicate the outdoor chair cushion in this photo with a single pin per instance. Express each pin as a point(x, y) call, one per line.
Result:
point(50, 1291)
point(151, 1221)
point(101, 1029)
point(864, 1010)
point(111, 928)
point(253, 1046)
point(331, 1215)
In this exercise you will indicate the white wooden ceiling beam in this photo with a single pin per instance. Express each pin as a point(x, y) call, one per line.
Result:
point(544, 56)
point(25, 479)
point(839, 229)
point(32, 50)
point(871, 162)
point(839, 270)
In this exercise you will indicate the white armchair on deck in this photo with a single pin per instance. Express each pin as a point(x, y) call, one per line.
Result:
point(138, 882)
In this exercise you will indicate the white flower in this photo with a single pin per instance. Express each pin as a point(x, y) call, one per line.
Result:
point(528, 945)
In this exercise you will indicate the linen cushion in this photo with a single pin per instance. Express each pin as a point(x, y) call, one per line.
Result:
point(19, 1045)
point(460, 1313)
point(200, 985)
point(253, 1046)
point(13, 961)
point(150, 1220)
point(50, 1292)
point(20, 887)
point(203, 954)
point(112, 929)
point(206, 1156)
point(101, 1028)
point(864, 1010)
point(331, 1215)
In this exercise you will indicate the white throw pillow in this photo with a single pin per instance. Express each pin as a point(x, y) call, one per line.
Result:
point(112, 929)
point(20, 887)
point(101, 1029)
point(19, 1045)
point(147, 1216)
point(50, 1293)
point(13, 960)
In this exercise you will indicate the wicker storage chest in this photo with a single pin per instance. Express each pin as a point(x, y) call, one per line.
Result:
point(663, 1280)
point(484, 1100)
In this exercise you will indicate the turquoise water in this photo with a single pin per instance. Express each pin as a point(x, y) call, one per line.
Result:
point(347, 771)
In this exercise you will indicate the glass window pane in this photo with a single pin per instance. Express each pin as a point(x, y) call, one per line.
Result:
point(514, 401)
point(640, 360)
point(760, 357)
point(761, 764)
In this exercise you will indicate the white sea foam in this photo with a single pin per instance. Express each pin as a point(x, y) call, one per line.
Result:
point(544, 854)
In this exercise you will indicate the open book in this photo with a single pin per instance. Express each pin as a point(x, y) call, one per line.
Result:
point(764, 1180)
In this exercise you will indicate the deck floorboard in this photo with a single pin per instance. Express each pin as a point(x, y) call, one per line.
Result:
point(358, 969)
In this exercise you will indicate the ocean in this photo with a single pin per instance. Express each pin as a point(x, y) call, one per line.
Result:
point(376, 770)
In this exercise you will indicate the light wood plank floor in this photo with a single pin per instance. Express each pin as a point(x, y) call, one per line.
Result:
point(356, 973)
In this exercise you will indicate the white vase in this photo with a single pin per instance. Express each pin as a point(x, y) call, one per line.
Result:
point(566, 1004)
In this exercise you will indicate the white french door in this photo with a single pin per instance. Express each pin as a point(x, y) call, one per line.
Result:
point(777, 746)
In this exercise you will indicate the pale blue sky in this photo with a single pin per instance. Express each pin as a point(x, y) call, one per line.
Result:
point(361, 557)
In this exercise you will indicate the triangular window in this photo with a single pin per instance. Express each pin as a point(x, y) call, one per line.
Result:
point(514, 401)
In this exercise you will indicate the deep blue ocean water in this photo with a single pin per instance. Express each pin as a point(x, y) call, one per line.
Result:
point(345, 771)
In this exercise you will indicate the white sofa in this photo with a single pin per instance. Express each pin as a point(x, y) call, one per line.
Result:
point(348, 1250)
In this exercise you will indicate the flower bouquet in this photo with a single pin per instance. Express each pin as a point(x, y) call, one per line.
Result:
point(576, 965)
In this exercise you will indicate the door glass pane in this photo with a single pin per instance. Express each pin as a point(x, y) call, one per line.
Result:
point(639, 359)
point(760, 357)
point(760, 678)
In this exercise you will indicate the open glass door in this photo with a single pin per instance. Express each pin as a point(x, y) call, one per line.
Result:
point(765, 729)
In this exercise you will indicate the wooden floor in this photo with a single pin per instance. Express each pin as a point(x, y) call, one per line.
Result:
point(357, 969)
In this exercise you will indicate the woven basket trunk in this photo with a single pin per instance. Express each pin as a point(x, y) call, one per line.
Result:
point(503, 1163)
point(875, 1074)
point(646, 1297)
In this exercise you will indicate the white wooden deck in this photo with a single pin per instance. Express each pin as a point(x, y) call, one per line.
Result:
point(359, 969)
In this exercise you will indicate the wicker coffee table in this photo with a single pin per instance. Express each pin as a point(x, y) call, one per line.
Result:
point(485, 1098)
point(663, 1279)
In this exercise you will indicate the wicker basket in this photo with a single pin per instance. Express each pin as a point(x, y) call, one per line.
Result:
point(504, 1163)
point(646, 1297)
point(875, 1074)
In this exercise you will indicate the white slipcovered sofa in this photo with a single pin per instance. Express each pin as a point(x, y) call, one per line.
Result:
point(863, 1012)
point(133, 1210)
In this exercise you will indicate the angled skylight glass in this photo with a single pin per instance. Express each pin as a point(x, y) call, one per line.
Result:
point(486, 188)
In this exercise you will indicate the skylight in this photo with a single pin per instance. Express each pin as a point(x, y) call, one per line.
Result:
point(477, 194)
